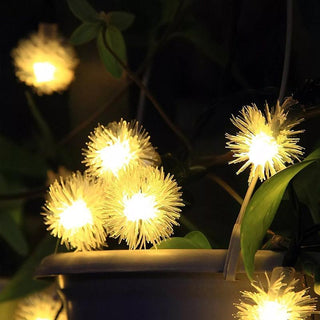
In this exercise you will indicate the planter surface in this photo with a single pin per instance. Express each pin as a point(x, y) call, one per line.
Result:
point(150, 284)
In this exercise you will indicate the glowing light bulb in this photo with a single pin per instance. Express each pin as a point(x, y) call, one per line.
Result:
point(115, 156)
point(143, 204)
point(41, 305)
point(272, 310)
point(278, 301)
point(76, 216)
point(117, 147)
point(75, 211)
point(265, 142)
point(44, 71)
point(262, 149)
point(45, 63)
point(140, 207)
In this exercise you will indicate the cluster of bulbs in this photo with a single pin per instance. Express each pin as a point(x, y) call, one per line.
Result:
point(122, 194)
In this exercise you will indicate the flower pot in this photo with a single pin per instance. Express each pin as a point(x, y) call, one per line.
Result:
point(150, 284)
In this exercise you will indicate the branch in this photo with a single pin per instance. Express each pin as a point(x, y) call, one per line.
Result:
point(149, 95)
point(36, 193)
point(287, 53)
point(94, 115)
point(144, 65)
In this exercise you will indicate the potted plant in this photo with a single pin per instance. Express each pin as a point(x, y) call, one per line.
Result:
point(130, 193)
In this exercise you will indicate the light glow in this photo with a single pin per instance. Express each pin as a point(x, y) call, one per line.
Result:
point(41, 305)
point(44, 72)
point(262, 149)
point(76, 215)
point(117, 147)
point(75, 212)
point(272, 310)
point(142, 206)
point(265, 142)
point(139, 207)
point(116, 156)
point(46, 64)
point(278, 301)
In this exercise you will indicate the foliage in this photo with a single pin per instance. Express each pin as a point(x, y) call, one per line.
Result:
point(263, 207)
point(186, 57)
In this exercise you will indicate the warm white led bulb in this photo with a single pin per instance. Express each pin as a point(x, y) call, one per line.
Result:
point(115, 156)
point(272, 310)
point(76, 215)
point(140, 207)
point(44, 71)
point(263, 148)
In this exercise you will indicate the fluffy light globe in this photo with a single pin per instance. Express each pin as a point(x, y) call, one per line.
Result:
point(143, 206)
point(279, 301)
point(45, 63)
point(118, 146)
point(74, 212)
point(265, 142)
point(42, 305)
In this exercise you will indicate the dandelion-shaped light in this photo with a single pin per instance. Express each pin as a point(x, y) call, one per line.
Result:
point(279, 302)
point(117, 146)
point(74, 212)
point(143, 206)
point(42, 305)
point(45, 63)
point(265, 142)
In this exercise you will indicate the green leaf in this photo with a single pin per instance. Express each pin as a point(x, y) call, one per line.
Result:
point(263, 207)
point(177, 243)
point(23, 281)
point(108, 60)
point(116, 42)
point(169, 8)
point(83, 10)
point(307, 188)
point(120, 19)
point(11, 232)
point(85, 33)
point(193, 240)
point(199, 239)
point(17, 160)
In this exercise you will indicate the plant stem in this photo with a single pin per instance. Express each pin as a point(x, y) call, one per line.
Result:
point(44, 129)
point(31, 194)
point(59, 312)
point(226, 187)
point(187, 223)
point(94, 115)
point(119, 94)
point(287, 53)
point(142, 97)
point(57, 246)
point(234, 249)
point(150, 96)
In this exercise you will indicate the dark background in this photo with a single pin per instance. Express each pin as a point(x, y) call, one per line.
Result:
point(220, 56)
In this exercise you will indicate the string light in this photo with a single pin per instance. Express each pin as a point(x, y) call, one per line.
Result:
point(117, 146)
point(143, 205)
point(279, 301)
point(265, 142)
point(45, 63)
point(74, 211)
point(42, 305)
